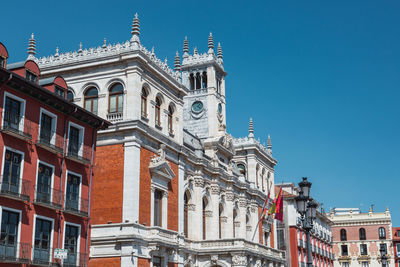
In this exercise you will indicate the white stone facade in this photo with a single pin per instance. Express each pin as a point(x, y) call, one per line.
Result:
point(223, 181)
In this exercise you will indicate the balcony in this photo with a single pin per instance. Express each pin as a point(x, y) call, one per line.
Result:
point(76, 205)
point(75, 260)
point(17, 126)
point(15, 188)
point(14, 253)
point(48, 197)
point(115, 117)
point(79, 153)
point(51, 141)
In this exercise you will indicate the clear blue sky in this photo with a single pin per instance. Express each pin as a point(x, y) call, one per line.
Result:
point(322, 77)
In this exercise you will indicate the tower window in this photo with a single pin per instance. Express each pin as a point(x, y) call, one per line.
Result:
point(144, 103)
point(116, 98)
point(70, 96)
point(91, 98)
point(170, 119)
point(158, 112)
point(382, 233)
point(362, 234)
point(242, 169)
point(204, 80)
point(343, 235)
point(191, 81)
point(198, 81)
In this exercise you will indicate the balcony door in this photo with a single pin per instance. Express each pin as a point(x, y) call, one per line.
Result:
point(12, 113)
point(9, 234)
point(71, 244)
point(45, 128)
point(72, 198)
point(42, 241)
point(43, 193)
point(11, 172)
point(73, 146)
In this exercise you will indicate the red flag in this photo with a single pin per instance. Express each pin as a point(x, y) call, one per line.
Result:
point(279, 207)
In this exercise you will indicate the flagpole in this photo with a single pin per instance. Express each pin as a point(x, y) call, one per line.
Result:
point(262, 212)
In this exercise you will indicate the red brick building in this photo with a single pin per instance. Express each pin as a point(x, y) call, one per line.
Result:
point(396, 245)
point(47, 146)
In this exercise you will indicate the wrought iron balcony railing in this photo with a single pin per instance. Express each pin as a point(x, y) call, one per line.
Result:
point(14, 187)
point(51, 197)
point(14, 253)
point(50, 141)
point(16, 125)
point(76, 205)
point(79, 153)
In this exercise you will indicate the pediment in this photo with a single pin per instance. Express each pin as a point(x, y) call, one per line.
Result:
point(161, 169)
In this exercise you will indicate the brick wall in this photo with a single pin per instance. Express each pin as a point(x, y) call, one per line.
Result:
point(143, 262)
point(105, 262)
point(107, 187)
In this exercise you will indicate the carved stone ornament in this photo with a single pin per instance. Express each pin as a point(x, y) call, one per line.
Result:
point(191, 207)
point(160, 167)
point(198, 181)
point(229, 196)
point(214, 259)
point(242, 202)
point(208, 213)
point(239, 260)
point(214, 189)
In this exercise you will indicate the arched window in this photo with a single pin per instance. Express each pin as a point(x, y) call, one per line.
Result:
point(262, 179)
point(158, 111)
point(242, 169)
point(185, 214)
point(144, 103)
point(170, 119)
point(191, 81)
point(234, 221)
point(343, 235)
point(362, 234)
point(257, 176)
point(205, 202)
point(70, 96)
point(91, 98)
point(221, 210)
point(116, 98)
point(382, 233)
point(198, 81)
point(204, 80)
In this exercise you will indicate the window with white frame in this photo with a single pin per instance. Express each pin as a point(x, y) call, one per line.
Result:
point(12, 171)
point(44, 183)
point(14, 112)
point(75, 139)
point(42, 247)
point(71, 243)
point(10, 226)
point(47, 127)
point(159, 197)
point(73, 192)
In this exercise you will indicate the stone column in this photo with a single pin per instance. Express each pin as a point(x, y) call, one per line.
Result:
point(197, 214)
point(181, 194)
point(164, 218)
point(228, 226)
point(213, 226)
point(242, 232)
point(254, 222)
point(130, 207)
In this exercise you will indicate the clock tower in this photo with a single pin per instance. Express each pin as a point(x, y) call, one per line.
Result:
point(204, 76)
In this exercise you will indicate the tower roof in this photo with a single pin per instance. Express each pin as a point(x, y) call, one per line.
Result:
point(135, 29)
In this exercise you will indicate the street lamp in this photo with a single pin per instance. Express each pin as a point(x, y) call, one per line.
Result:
point(307, 208)
point(382, 250)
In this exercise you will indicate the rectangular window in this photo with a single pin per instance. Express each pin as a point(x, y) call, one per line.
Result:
point(383, 247)
point(73, 190)
point(43, 189)
point(30, 76)
point(398, 249)
point(344, 250)
point(345, 264)
point(46, 132)
point(281, 239)
point(42, 245)
point(2, 61)
point(12, 113)
point(71, 243)
point(157, 262)
point(60, 92)
point(9, 234)
point(11, 172)
point(74, 141)
point(364, 264)
point(363, 249)
point(157, 208)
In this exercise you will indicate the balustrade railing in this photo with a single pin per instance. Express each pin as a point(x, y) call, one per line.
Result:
point(114, 117)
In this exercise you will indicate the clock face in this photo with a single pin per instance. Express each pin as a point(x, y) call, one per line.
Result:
point(219, 108)
point(197, 106)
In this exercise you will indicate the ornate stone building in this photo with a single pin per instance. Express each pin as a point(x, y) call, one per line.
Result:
point(358, 237)
point(172, 187)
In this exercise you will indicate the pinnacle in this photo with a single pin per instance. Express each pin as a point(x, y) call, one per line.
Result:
point(210, 41)
point(219, 51)
point(185, 45)
point(135, 29)
point(251, 128)
point(32, 47)
point(177, 62)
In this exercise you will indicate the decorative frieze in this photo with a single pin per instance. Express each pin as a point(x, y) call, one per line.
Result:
point(239, 260)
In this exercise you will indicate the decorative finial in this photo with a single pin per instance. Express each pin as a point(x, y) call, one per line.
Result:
point(219, 52)
point(166, 60)
point(177, 62)
point(57, 54)
point(152, 50)
point(32, 47)
point(251, 128)
point(387, 209)
point(195, 52)
point(80, 48)
point(370, 209)
point(210, 44)
point(104, 43)
point(135, 30)
point(269, 144)
point(185, 47)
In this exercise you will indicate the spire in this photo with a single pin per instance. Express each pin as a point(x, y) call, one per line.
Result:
point(57, 52)
point(195, 52)
point(104, 43)
point(185, 47)
point(210, 44)
point(269, 144)
point(80, 48)
point(251, 128)
point(219, 53)
point(177, 62)
point(32, 47)
point(135, 30)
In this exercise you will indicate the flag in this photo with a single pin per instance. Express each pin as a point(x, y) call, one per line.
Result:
point(279, 207)
point(272, 210)
point(265, 207)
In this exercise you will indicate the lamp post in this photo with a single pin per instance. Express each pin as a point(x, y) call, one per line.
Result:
point(307, 208)
point(382, 250)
